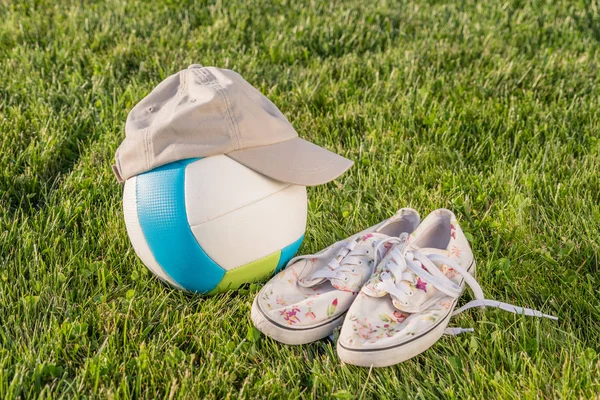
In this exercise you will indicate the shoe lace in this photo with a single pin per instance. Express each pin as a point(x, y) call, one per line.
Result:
point(408, 264)
point(349, 256)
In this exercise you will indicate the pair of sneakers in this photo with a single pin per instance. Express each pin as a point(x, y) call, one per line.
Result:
point(393, 288)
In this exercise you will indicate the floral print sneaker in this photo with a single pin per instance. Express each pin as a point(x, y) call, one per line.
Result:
point(307, 300)
point(407, 303)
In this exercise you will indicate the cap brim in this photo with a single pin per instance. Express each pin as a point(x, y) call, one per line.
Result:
point(294, 161)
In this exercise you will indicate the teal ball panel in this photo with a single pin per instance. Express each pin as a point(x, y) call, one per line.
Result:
point(163, 218)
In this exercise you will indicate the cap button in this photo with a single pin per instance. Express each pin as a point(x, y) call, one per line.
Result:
point(195, 66)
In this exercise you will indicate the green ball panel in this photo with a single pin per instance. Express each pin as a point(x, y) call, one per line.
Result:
point(251, 272)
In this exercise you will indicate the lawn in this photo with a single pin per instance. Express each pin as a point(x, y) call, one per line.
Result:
point(488, 108)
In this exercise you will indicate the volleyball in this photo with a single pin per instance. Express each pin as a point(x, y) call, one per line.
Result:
point(210, 225)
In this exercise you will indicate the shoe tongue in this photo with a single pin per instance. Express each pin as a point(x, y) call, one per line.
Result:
point(423, 292)
point(352, 275)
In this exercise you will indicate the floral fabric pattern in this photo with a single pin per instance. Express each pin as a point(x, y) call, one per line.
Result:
point(331, 308)
point(291, 317)
point(398, 325)
point(290, 304)
point(379, 319)
point(321, 287)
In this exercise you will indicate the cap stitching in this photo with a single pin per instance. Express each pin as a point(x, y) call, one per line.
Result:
point(234, 125)
point(146, 145)
point(209, 79)
point(182, 87)
point(149, 144)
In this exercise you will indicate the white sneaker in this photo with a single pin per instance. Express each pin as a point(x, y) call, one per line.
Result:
point(307, 300)
point(406, 305)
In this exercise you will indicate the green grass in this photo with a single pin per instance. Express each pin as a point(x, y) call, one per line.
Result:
point(489, 108)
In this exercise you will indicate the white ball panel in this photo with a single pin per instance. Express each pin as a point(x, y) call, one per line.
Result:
point(256, 230)
point(217, 185)
point(136, 235)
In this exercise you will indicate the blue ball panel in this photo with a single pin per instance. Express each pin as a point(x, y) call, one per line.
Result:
point(287, 253)
point(163, 218)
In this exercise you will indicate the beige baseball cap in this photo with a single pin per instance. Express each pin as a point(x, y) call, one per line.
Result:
point(206, 111)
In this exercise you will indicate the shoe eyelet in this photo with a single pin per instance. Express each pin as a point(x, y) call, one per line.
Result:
point(411, 293)
point(368, 251)
point(360, 262)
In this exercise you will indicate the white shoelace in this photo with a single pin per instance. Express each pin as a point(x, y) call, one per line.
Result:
point(406, 265)
point(345, 261)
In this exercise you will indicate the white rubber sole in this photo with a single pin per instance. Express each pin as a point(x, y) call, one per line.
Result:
point(288, 335)
point(388, 356)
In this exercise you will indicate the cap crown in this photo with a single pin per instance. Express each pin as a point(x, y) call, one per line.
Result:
point(198, 112)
